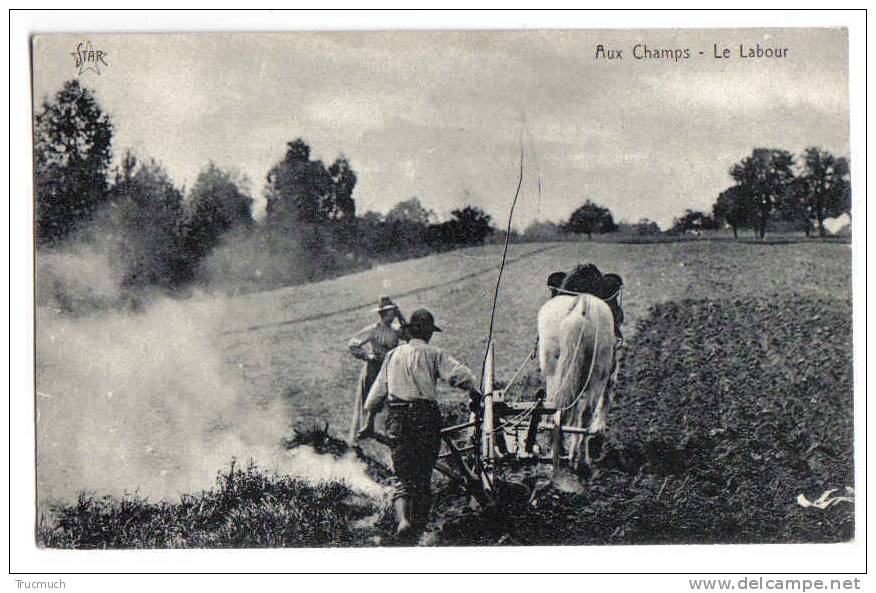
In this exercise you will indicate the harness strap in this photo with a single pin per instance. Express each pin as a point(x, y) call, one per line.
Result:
point(574, 293)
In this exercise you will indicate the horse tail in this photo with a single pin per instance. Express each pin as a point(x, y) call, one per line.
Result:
point(585, 305)
point(576, 352)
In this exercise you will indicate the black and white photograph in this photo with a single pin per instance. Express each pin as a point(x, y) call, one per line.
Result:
point(443, 288)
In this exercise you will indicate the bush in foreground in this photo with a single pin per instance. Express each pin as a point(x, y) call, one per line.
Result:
point(247, 508)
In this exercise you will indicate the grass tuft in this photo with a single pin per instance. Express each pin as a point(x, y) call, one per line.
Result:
point(248, 508)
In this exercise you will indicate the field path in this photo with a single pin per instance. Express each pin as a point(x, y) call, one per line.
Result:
point(327, 288)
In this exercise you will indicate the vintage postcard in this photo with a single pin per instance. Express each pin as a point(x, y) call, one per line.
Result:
point(587, 287)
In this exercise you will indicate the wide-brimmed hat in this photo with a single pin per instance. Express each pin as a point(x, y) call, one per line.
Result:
point(422, 319)
point(384, 304)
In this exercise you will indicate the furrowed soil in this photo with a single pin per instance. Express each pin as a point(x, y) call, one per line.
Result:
point(734, 394)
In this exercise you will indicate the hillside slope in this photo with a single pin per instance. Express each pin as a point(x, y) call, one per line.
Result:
point(307, 363)
point(158, 402)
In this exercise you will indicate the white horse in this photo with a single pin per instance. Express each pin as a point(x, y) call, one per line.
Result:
point(577, 356)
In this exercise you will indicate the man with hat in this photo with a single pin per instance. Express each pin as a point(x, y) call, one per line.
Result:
point(370, 345)
point(407, 383)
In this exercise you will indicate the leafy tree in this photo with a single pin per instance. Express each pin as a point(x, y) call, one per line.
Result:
point(406, 226)
point(410, 211)
point(371, 234)
point(148, 217)
point(310, 208)
point(371, 218)
point(693, 220)
point(342, 206)
point(765, 178)
point(591, 218)
point(469, 226)
point(216, 205)
point(687, 222)
point(824, 187)
point(795, 205)
point(734, 207)
point(72, 153)
point(299, 189)
point(646, 226)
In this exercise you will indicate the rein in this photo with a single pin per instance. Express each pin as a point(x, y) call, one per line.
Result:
point(574, 293)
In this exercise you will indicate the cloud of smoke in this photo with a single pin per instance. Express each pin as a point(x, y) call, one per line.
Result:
point(305, 462)
point(247, 261)
point(77, 278)
point(144, 402)
point(136, 392)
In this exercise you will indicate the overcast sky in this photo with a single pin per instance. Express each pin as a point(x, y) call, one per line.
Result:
point(440, 115)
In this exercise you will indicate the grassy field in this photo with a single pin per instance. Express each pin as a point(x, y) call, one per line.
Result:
point(309, 367)
point(279, 358)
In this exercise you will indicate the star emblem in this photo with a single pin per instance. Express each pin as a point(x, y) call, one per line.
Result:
point(87, 58)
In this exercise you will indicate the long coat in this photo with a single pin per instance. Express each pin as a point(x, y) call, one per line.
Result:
point(376, 339)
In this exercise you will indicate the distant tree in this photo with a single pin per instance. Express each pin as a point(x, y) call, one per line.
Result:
point(371, 233)
point(708, 223)
point(735, 207)
point(72, 153)
point(342, 206)
point(301, 190)
point(371, 218)
point(795, 206)
point(542, 231)
point(310, 209)
point(646, 226)
point(687, 222)
point(764, 177)
point(216, 205)
point(693, 220)
point(410, 211)
point(406, 227)
point(148, 217)
point(591, 218)
point(823, 188)
point(467, 226)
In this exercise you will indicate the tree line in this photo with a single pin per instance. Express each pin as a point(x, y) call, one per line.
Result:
point(163, 235)
point(768, 184)
point(772, 184)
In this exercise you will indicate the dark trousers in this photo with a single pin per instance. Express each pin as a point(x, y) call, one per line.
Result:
point(415, 431)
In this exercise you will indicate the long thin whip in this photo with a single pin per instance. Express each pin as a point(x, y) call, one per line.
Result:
point(502, 268)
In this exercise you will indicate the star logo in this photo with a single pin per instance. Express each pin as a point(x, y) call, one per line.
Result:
point(87, 58)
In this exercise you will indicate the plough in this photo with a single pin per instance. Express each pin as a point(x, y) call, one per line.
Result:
point(502, 434)
point(499, 434)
